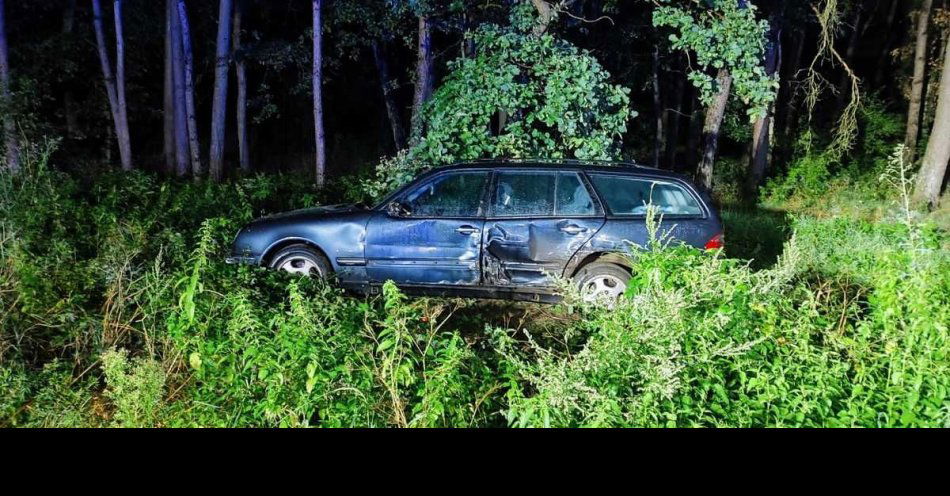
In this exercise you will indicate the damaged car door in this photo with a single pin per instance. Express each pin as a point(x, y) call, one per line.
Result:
point(431, 235)
point(537, 221)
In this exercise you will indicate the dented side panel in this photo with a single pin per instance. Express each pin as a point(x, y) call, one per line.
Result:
point(528, 251)
point(423, 251)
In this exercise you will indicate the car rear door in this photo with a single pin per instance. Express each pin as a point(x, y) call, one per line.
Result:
point(537, 220)
point(439, 241)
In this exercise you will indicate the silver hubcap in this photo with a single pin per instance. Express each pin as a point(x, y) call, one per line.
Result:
point(603, 289)
point(300, 265)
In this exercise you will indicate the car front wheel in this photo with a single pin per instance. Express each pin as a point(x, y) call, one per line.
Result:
point(303, 260)
point(602, 282)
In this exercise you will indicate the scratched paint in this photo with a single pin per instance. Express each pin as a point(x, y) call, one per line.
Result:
point(526, 251)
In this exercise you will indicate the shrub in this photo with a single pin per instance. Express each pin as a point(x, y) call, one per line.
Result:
point(704, 341)
point(135, 388)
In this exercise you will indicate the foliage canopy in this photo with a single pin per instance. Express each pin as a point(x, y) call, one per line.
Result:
point(520, 96)
point(723, 35)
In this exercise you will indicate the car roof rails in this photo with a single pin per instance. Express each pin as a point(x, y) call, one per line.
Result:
point(554, 161)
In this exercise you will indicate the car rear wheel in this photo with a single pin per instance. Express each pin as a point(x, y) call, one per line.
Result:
point(602, 282)
point(302, 260)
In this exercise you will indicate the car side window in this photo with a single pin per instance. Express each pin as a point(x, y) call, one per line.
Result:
point(626, 195)
point(572, 197)
point(454, 194)
point(524, 194)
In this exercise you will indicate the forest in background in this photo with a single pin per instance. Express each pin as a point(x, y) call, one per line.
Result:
point(139, 136)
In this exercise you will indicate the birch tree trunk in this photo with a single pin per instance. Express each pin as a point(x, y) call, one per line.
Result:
point(712, 127)
point(122, 126)
point(934, 168)
point(762, 128)
point(917, 84)
point(319, 134)
point(220, 99)
point(182, 165)
point(110, 82)
point(12, 162)
point(244, 153)
point(188, 65)
point(169, 98)
point(386, 83)
point(424, 62)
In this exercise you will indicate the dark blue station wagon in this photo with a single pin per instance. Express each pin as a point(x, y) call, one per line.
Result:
point(489, 229)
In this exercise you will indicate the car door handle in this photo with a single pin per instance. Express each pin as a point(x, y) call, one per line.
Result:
point(572, 229)
point(467, 230)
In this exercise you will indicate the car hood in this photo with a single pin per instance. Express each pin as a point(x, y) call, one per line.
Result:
point(312, 213)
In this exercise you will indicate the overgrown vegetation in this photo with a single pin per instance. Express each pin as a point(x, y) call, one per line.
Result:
point(118, 310)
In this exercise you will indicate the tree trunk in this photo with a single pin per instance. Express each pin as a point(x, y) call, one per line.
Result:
point(122, 127)
point(107, 75)
point(762, 128)
point(468, 43)
point(169, 98)
point(423, 88)
point(917, 84)
point(934, 168)
point(882, 63)
point(790, 120)
point(219, 107)
point(545, 16)
point(319, 133)
point(178, 73)
point(675, 121)
point(189, 67)
point(69, 99)
point(12, 162)
point(659, 144)
point(711, 128)
point(694, 137)
point(392, 110)
point(244, 153)
point(931, 92)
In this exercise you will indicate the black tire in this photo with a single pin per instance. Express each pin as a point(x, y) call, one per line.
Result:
point(602, 280)
point(301, 259)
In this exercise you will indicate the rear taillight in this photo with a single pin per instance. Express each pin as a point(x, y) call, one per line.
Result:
point(716, 243)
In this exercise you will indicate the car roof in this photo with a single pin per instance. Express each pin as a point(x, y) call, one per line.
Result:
point(560, 164)
point(566, 164)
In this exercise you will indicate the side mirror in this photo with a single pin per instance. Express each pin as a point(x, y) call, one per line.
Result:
point(398, 209)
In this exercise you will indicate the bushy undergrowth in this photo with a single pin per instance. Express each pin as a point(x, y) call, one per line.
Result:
point(118, 310)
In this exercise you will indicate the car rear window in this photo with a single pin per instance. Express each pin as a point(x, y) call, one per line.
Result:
point(626, 195)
